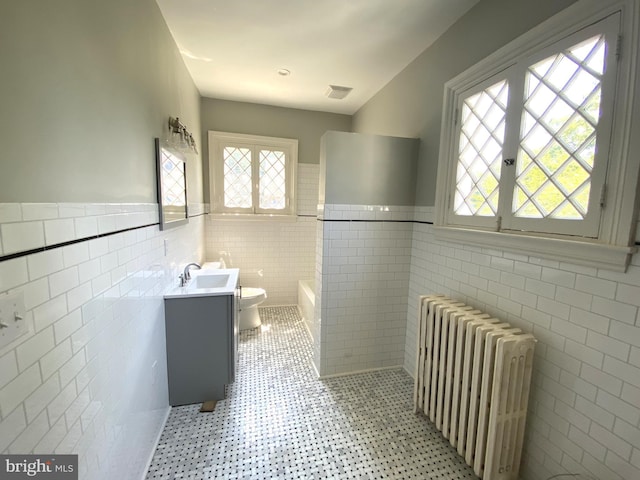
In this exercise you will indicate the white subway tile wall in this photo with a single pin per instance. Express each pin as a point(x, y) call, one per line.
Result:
point(27, 226)
point(84, 380)
point(366, 253)
point(90, 377)
point(307, 191)
point(585, 410)
point(271, 254)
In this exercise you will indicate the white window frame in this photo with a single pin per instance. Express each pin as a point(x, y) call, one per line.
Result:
point(613, 246)
point(218, 141)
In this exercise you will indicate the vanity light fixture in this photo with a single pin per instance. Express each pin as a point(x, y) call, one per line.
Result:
point(180, 137)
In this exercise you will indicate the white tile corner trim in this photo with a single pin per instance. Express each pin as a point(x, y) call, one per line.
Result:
point(90, 377)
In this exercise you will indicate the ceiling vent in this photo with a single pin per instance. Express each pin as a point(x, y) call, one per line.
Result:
point(337, 92)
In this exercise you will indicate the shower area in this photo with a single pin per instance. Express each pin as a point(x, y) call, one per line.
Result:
point(344, 258)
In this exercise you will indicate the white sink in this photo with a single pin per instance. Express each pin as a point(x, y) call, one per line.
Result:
point(210, 280)
point(207, 282)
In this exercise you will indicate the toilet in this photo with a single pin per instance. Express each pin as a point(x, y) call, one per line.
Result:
point(250, 298)
point(249, 301)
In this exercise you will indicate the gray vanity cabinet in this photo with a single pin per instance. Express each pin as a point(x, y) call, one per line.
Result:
point(202, 347)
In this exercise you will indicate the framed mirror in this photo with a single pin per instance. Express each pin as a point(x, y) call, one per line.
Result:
point(171, 175)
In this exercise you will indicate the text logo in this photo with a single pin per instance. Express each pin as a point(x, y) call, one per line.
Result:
point(50, 467)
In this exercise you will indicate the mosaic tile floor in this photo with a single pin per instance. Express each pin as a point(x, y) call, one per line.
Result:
point(280, 422)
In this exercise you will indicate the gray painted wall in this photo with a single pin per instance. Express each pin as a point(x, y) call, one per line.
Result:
point(84, 89)
point(411, 104)
point(360, 169)
point(254, 119)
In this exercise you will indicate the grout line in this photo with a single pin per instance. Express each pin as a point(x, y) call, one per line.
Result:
point(44, 248)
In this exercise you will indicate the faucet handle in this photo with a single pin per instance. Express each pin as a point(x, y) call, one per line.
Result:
point(183, 280)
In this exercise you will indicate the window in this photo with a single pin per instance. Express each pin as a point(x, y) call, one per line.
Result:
point(527, 148)
point(252, 174)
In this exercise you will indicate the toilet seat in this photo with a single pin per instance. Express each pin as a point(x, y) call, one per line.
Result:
point(251, 293)
point(211, 265)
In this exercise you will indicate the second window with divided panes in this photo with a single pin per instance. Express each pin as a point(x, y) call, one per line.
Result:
point(533, 140)
point(252, 174)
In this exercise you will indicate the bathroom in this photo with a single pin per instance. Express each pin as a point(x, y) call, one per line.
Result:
point(78, 123)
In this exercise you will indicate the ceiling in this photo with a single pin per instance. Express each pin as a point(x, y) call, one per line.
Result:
point(234, 48)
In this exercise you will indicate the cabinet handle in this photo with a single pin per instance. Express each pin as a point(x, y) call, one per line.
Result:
point(240, 287)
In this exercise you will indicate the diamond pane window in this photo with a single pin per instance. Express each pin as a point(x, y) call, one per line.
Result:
point(252, 174)
point(538, 143)
point(558, 133)
point(237, 177)
point(480, 151)
point(173, 181)
point(272, 180)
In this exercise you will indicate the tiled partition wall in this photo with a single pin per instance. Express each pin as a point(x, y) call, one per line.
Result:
point(271, 254)
point(585, 405)
point(90, 377)
point(364, 275)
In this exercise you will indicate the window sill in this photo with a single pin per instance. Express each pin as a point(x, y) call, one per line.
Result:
point(581, 252)
point(253, 217)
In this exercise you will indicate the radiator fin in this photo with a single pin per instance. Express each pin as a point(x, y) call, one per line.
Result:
point(472, 380)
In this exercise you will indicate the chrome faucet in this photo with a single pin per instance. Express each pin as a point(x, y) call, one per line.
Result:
point(187, 275)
